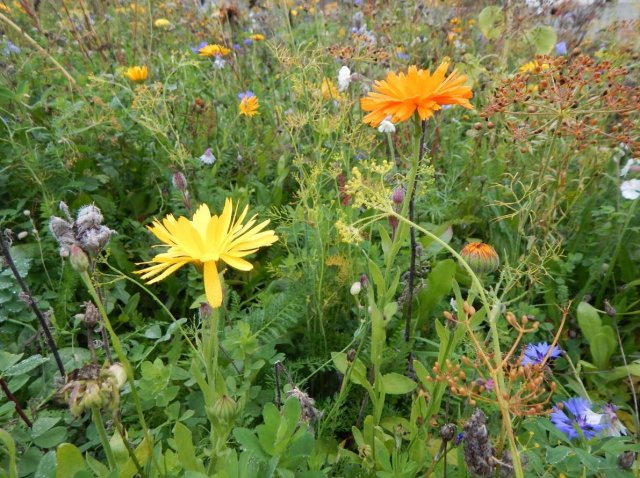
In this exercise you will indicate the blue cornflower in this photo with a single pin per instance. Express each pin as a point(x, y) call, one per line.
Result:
point(577, 414)
point(198, 47)
point(535, 353)
point(11, 49)
point(245, 94)
point(402, 56)
point(561, 48)
point(247, 41)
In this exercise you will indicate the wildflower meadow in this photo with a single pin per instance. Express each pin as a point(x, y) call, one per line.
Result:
point(289, 238)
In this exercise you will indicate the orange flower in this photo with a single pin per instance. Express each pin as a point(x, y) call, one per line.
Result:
point(400, 95)
point(481, 257)
point(249, 105)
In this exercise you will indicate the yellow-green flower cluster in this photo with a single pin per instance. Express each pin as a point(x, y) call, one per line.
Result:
point(369, 189)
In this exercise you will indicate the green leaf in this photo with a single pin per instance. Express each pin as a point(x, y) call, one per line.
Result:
point(358, 370)
point(491, 22)
point(377, 277)
point(439, 284)
point(142, 452)
point(543, 38)
point(396, 384)
point(69, 461)
point(47, 466)
point(25, 366)
point(185, 450)
point(43, 424)
point(97, 467)
point(558, 454)
point(249, 441)
point(51, 438)
point(602, 347)
point(588, 320)
point(7, 360)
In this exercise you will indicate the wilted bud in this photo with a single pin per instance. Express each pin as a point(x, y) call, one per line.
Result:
point(22, 234)
point(626, 460)
point(448, 432)
point(119, 375)
point(91, 316)
point(481, 257)
point(310, 414)
point(89, 217)
point(179, 181)
point(608, 308)
point(351, 355)
point(398, 195)
point(478, 452)
point(79, 260)
point(224, 409)
point(356, 287)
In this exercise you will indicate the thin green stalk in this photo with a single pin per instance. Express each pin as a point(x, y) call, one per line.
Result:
point(122, 357)
point(104, 439)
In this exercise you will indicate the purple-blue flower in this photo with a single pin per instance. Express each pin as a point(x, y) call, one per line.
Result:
point(576, 415)
point(536, 353)
point(402, 56)
point(247, 41)
point(245, 94)
point(561, 48)
point(198, 47)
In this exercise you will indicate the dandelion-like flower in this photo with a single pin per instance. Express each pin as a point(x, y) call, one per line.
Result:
point(535, 354)
point(162, 23)
point(211, 50)
point(204, 241)
point(576, 414)
point(533, 67)
point(400, 95)
point(137, 73)
point(248, 103)
point(257, 37)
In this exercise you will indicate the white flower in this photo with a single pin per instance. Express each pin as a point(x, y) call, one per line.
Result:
point(631, 164)
point(219, 62)
point(630, 189)
point(344, 78)
point(454, 304)
point(356, 287)
point(613, 426)
point(208, 157)
point(386, 126)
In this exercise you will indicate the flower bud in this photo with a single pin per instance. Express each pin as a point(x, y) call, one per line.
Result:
point(356, 287)
point(78, 258)
point(224, 409)
point(398, 195)
point(179, 181)
point(481, 257)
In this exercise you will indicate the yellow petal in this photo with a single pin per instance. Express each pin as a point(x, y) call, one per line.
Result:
point(212, 286)
point(236, 262)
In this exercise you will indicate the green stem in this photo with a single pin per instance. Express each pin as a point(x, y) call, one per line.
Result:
point(117, 346)
point(104, 439)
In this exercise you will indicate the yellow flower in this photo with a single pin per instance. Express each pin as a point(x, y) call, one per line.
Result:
point(329, 90)
point(162, 23)
point(400, 95)
point(204, 241)
point(533, 66)
point(213, 50)
point(4, 8)
point(257, 37)
point(137, 73)
point(249, 105)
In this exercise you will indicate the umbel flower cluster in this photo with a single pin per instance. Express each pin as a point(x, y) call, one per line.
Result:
point(85, 232)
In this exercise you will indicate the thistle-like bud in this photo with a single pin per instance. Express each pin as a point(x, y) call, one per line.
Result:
point(179, 181)
point(448, 432)
point(91, 316)
point(310, 414)
point(478, 452)
point(481, 257)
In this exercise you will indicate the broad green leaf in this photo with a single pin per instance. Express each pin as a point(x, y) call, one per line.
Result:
point(42, 424)
point(25, 366)
point(588, 320)
point(602, 347)
point(69, 461)
point(185, 449)
point(491, 22)
point(543, 39)
point(51, 438)
point(358, 370)
point(396, 384)
point(97, 467)
point(249, 441)
point(377, 278)
point(7, 360)
point(142, 452)
point(558, 454)
point(47, 466)
point(439, 282)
